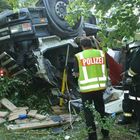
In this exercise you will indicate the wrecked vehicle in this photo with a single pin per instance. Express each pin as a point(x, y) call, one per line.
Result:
point(24, 33)
point(38, 40)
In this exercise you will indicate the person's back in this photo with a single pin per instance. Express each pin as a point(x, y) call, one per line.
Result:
point(92, 78)
point(92, 70)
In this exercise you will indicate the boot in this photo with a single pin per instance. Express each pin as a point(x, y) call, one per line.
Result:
point(125, 120)
point(106, 138)
point(105, 134)
point(92, 136)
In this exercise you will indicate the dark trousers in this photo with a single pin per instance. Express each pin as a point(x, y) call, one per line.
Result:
point(97, 98)
point(126, 104)
point(136, 106)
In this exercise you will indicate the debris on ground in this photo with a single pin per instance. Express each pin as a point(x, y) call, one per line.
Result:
point(24, 118)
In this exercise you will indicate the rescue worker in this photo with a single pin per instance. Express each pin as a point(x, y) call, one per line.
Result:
point(133, 73)
point(91, 70)
point(128, 112)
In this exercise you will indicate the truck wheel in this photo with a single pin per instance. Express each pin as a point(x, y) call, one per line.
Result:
point(91, 21)
point(56, 11)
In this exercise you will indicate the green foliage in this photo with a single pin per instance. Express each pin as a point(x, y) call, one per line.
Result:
point(4, 5)
point(76, 9)
point(13, 3)
point(120, 14)
point(23, 91)
point(10, 86)
point(106, 122)
point(16, 4)
point(28, 3)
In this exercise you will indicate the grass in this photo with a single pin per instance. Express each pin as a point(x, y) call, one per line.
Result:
point(77, 133)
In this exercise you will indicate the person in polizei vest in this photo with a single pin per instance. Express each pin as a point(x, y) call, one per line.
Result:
point(133, 73)
point(91, 69)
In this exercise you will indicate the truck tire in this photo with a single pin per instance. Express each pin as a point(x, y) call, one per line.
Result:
point(90, 30)
point(56, 11)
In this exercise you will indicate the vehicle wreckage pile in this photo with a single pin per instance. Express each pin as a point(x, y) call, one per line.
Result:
point(38, 40)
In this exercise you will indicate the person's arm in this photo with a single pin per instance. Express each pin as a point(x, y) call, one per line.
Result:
point(135, 64)
point(76, 68)
point(134, 68)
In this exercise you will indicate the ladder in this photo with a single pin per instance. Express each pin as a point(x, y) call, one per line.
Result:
point(10, 65)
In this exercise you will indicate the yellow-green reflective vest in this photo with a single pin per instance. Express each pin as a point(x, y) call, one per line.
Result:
point(92, 70)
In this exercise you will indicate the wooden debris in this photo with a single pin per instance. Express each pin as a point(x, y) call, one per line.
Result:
point(22, 121)
point(59, 110)
point(65, 116)
point(58, 107)
point(41, 124)
point(20, 108)
point(3, 114)
point(19, 114)
point(40, 117)
point(27, 120)
point(34, 120)
point(5, 102)
point(15, 114)
point(32, 113)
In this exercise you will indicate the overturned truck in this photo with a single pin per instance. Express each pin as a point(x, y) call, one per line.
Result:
point(38, 40)
point(33, 34)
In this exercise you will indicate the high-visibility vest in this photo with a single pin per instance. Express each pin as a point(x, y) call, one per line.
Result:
point(92, 70)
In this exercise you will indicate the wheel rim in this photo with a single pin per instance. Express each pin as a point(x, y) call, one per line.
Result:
point(60, 9)
point(56, 11)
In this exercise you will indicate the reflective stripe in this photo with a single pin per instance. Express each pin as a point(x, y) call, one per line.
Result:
point(89, 87)
point(126, 91)
point(84, 68)
point(92, 86)
point(134, 98)
point(93, 80)
point(127, 114)
point(102, 85)
point(103, 66)
point(131, 73)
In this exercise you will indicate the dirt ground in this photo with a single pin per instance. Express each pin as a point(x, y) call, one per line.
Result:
point(124, 132)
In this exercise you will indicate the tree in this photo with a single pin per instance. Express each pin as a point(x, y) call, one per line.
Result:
point(15, 4)
point(27, 3)
point(4, 5)
point(124, 15)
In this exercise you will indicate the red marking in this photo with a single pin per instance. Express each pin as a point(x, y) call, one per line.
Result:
point(92, 61)
point(115, 70)
point(2, 72)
